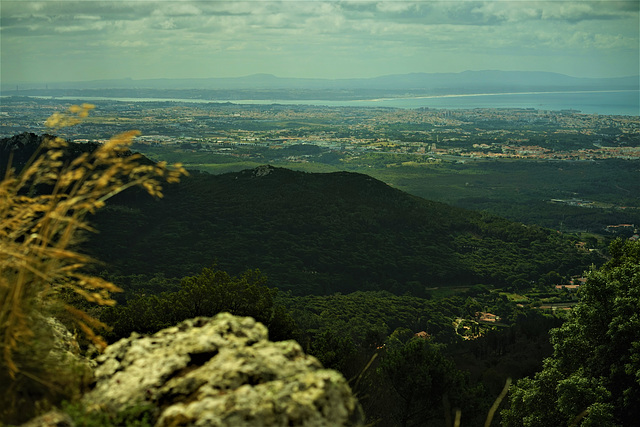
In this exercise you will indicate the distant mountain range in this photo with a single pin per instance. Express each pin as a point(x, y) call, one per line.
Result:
point(490, 81)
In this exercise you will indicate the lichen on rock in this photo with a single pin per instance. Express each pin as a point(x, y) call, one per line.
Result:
point(221, 371)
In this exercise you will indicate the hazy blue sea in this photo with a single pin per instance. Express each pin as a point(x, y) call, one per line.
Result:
point(616, 103)
point(625, 102)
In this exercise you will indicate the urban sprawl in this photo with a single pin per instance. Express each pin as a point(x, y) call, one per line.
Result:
point(427, 135)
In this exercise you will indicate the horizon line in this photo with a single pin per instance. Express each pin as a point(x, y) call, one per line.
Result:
point(12, 83)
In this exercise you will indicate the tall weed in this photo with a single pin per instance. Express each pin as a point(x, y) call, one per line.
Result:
point(43, 211)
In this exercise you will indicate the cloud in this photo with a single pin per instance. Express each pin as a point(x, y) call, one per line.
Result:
point(558, 10)
point(91, 26)
point(177, 9)
point(257, 36)
point(168, 24)
point(86, 17)
point(122, 43)
point(395, 6)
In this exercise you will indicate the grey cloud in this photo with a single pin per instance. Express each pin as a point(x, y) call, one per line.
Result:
point(424, 13)
point(263, 33)
point(177, 9)
point(65, 10)
point(565, 11)
point(87, 17)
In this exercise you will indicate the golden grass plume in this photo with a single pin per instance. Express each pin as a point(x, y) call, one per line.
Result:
point(43, 209)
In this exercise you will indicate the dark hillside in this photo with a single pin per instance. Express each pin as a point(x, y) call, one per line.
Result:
point(17, 150)
point(20, 148)
point(314, 233)
point(322, 233)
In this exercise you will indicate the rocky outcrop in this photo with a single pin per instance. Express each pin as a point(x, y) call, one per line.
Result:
point(221, 371)
point(51, 419)
point(262, 170)
point(64, 346)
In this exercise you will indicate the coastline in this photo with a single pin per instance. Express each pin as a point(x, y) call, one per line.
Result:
point(602, 102)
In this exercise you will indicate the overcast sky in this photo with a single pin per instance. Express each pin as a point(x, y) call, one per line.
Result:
point(89, 40)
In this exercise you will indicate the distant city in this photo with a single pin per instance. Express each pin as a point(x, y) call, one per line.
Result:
point(428, 135)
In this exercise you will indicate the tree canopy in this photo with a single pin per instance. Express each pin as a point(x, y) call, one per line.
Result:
point(324, 233)
point(205, 294)
point(593, 376)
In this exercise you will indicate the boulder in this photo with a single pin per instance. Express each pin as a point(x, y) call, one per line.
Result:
point(51, 419)
point(220, 371)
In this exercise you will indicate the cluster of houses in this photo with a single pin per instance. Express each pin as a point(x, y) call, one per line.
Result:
point(573, 285)
point(483, 316)
point(625, 229)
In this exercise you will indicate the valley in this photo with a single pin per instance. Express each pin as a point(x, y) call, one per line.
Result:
point(401, 248)
point(320, 213)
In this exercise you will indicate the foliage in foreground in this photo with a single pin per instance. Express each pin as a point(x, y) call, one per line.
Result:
point(427, 383)
point(43, 212)
point(593, 377)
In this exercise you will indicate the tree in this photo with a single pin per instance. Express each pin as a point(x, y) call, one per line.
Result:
point(206, 294)
point(334, 349)
point(593, 376)
point(422, 377)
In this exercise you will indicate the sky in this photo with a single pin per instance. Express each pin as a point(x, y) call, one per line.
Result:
point(49, 41)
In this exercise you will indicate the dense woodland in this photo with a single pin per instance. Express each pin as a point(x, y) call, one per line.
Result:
point(324, 233)
point(354, 269)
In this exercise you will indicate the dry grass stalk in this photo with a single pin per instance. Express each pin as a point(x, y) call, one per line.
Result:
point(497, 402)
point(40, 229)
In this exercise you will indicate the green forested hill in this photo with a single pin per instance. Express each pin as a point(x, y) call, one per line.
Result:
point(315, 233)
point(338, 242)
point(322, 233)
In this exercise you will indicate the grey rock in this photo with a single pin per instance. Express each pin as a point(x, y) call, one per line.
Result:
point(262, 170)
point(50, 419)
point(221, 371)
point(64, 346)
